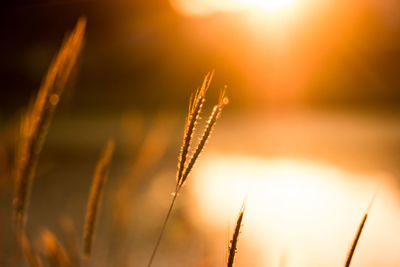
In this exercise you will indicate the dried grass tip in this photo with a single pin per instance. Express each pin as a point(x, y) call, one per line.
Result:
point(233, 243)
point(185, 165)
point(96, 191)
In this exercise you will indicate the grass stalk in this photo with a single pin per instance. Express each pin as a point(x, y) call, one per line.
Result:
point(233, 243)
point(358, 234)
point(164, 225)
point(215, 114)
point(195, 106)
point(355, 241)
point(36, 121)
point(96, 191)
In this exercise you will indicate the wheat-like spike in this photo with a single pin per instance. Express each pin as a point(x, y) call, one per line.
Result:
point(355, 241)
point(30, 255)
point(359, 231)
point(233, 243)
point(96, 190)
point(216, 112)
point(195, 105)
point(54, 251)
point(36, 121)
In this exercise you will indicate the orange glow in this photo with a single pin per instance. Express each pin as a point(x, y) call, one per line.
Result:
point(282, 50)
point(304, 210)
point(268, 4)
point(206, 7)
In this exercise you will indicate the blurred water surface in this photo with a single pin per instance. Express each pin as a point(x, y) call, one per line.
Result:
point(309, 177)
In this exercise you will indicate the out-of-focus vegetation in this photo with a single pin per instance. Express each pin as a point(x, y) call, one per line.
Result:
point(311, 132)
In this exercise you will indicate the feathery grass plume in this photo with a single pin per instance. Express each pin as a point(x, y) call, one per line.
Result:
point(35, 123)
point(358, 234)
point(69, 237)
point(215, 114)
point(96, 191)
point(233, 243)
point(30, 255)
point(195, 104)
point(54, 251)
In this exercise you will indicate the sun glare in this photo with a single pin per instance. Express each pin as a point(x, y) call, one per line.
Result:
point(269, 4)
point(306, 210)
point(206, 7)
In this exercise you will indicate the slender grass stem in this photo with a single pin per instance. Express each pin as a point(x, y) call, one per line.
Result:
point(184, 169)
point(163, 229)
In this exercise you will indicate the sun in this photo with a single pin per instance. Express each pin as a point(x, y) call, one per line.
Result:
point(268, 4)
point(207, 7)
